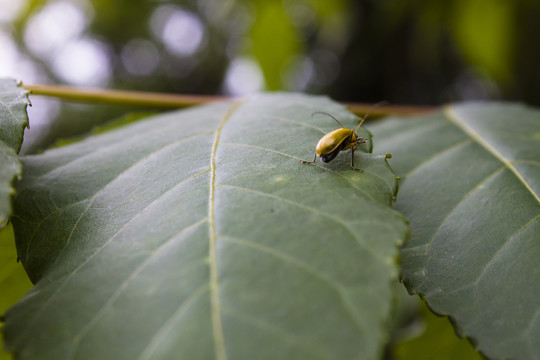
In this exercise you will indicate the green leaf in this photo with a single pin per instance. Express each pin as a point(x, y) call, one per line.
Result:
point(199, 234)
point(13, 120)
point(98, 129)
point(14, 282)
point(471, 193)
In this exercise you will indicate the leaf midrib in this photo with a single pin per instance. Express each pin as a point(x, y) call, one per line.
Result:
point(217, 326)
point(451, 115)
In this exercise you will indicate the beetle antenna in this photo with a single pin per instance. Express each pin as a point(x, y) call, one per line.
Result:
point(321, 112)
point(384, 102)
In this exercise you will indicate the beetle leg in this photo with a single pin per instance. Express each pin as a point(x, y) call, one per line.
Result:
point(352, 161)
point(310, 162)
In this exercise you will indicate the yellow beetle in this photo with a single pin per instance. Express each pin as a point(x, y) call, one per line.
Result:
point(338, 140)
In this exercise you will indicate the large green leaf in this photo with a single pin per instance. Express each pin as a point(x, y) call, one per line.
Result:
point(199, 234)
point(471, 193)
point(13, 120)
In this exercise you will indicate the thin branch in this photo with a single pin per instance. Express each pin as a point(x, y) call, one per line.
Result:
point(120, 97)
point(361, 109)
point(164, 100)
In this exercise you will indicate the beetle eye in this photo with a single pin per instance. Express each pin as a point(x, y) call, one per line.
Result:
point(361, 140)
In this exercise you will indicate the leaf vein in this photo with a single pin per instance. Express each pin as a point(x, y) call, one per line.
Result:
point(167, 327)
point(105, 149)
point(506, 243)
point(451, 212)
point(106, 243)
point(520, 161)
point(418, 129)
point(14, 117)
point(95, 195)
point(287, 336)
point(460, 123)
point(279, 118)
point(437, 154)
point(317, 165)
point(348, 306)
point(337, 220)
point(122, 288)
point(476, 282)
point(215, 306)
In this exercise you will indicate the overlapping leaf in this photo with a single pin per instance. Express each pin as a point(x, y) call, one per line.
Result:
point(471, 194)
point(199, 234)
point(13, 120)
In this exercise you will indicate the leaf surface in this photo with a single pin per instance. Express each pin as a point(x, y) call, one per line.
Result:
point(13, 120)
point(471, 193)
point(198, 234)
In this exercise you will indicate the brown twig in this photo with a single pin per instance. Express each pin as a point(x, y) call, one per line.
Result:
point(164, 100)
point(385, 110)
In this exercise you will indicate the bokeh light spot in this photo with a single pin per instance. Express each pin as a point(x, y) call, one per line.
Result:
point(13, 64)
point(8, 60)
point(299, 74)
point(243, 76)
point(51, 28)
point(83, 62)
point(140, 57)
point(182, 32)
point(11, 9)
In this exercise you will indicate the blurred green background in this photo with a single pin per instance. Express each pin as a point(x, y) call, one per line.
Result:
point(403, 51)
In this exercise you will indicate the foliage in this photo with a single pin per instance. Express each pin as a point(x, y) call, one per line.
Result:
point(468, 173)
point(204, 222)
point(13, 104)
point(474, 170)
